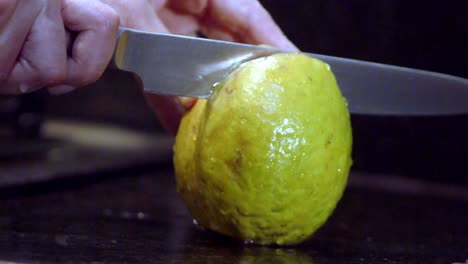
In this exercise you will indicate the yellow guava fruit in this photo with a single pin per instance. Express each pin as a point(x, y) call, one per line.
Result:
point(265, 159)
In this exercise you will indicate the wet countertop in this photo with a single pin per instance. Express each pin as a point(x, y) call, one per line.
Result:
point(136, 217)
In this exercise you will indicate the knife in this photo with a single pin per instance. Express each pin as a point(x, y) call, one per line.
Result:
point(189, 66)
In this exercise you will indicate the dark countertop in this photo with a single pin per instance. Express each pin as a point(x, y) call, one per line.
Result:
point(137, 217)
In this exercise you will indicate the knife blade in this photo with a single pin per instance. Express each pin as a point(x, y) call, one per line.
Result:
point(189, 66)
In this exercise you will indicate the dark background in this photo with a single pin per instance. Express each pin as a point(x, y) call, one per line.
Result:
point(430, 35)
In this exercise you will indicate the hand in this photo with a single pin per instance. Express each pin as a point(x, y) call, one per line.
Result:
point(33, 41)
point(234, 20)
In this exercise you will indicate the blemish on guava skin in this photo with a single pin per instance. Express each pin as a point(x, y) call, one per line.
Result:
point(329, 140)
point(203, 180)
point(239, 158)
point(237, 163)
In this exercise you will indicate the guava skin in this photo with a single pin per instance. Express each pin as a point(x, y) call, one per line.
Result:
point(266, 158)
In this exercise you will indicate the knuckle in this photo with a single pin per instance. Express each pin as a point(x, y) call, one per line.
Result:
point(108, 19)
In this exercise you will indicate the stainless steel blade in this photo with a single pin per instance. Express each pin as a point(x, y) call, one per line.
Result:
point(373, 88)
point(180, 65)
point(186, 66)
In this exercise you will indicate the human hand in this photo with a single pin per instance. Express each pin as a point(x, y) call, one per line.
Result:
point(33, 41)
point(233, 20)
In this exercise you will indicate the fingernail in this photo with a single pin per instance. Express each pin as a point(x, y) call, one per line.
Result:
point(61, 89)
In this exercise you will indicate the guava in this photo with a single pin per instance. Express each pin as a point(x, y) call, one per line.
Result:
point(266, 157)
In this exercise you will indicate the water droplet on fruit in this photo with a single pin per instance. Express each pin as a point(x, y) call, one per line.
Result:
point(249, 242)
point(140, 215)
